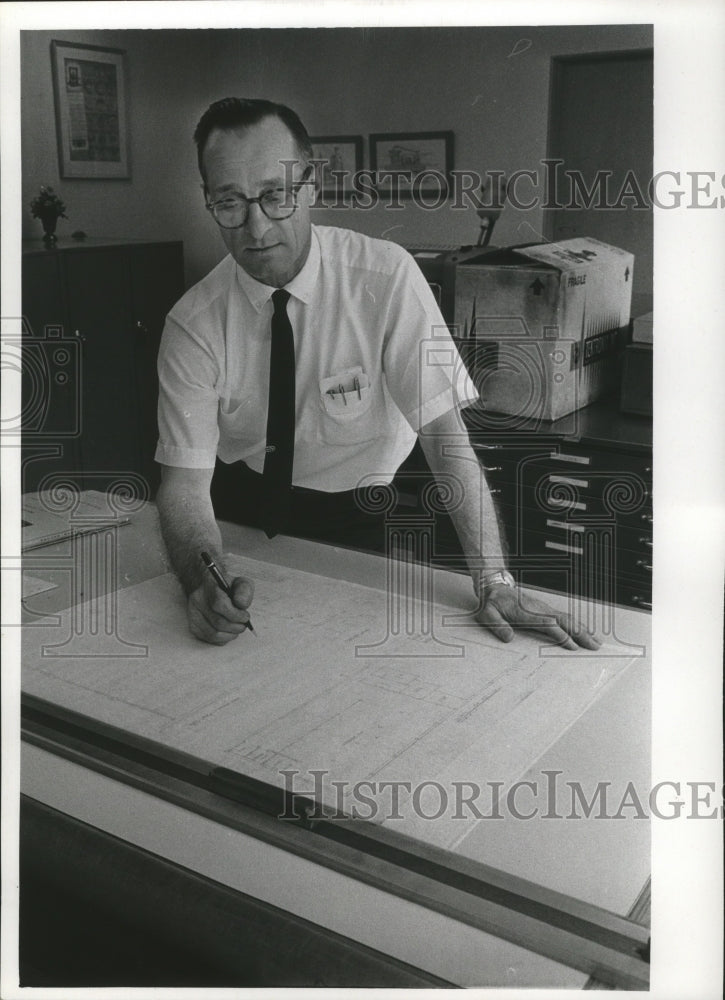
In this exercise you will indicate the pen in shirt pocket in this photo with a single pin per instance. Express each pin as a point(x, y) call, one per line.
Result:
point(350, 384)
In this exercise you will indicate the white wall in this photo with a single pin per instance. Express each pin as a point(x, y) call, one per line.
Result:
point(340, 81)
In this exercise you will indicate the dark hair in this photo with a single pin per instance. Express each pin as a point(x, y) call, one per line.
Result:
point(241, 112)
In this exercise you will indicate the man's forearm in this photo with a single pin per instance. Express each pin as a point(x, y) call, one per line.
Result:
point(449, 454)
point(446, 447)
point(188, 527)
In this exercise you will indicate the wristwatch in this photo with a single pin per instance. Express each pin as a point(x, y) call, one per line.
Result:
point(489, 580)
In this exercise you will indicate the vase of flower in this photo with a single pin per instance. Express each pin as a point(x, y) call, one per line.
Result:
point(48, 207)
point(49, 223)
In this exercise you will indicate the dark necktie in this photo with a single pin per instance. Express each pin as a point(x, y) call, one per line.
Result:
point(279, 453)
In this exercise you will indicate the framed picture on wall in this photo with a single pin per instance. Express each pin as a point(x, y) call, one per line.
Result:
point(91, 125)
point(423, 161)
point(341, 157)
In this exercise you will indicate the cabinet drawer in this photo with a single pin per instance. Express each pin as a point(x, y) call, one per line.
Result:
point(635, 539)
point(503, 464)
point(629, 593)
point(578, 458)
point(590, 564)
point(522, 479)
point(630, 532)
point(565, 459)
point(634, 595)
point(579, 541)
point(634, 567)
point(593, 493)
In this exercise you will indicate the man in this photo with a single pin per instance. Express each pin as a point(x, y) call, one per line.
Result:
point(344, 337)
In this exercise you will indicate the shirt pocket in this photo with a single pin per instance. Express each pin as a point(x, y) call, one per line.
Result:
point(347, 415)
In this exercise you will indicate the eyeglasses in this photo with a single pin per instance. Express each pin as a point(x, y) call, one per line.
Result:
point(232, 211)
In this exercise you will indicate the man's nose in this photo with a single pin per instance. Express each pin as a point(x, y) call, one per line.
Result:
point(257, 221)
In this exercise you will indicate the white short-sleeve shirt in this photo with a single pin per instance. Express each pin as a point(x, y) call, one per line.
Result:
point(374, 363)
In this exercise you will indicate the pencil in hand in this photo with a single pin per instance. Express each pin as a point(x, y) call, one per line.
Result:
point(221, 581)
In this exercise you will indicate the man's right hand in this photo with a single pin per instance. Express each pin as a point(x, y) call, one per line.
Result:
point(213, 617)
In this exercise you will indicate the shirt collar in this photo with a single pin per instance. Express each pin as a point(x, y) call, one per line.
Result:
point(301, 287)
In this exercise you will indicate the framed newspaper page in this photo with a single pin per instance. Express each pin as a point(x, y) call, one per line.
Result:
point(90, 111)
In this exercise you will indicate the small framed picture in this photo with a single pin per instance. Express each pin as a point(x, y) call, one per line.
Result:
point(89, 87)
point(422, 161)
point(339, 158)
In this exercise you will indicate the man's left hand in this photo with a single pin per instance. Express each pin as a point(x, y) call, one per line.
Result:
point(504, 609)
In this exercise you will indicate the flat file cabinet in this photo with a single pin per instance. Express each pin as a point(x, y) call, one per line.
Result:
point(573, 497)
point(576, 518)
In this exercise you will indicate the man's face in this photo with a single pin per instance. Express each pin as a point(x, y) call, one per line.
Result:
point(249, 161)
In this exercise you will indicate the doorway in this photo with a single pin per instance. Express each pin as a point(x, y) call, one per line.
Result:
point(601, 119)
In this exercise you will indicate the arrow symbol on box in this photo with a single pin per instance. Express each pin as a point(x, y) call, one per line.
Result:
point(626, 275)
point(537, 287)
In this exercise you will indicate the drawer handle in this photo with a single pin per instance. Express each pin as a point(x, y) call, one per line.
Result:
point(560, 457)
point(495, 491)
point(487, 447)
point(641, 603)
point(568, 481)
point(560, 547)
point(492, 468)
point(643, 564)
point(564, 525)
point(557, 503)
point(647, 518)
point(647, 542)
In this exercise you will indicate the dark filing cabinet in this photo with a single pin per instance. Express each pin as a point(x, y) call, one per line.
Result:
point(573, 498)
point(93, 313)
point(575, 502)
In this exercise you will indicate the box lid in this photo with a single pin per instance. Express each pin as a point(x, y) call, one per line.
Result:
point(570, 254)
point(505, 257)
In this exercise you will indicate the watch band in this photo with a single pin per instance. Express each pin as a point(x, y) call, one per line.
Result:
point(488, 580)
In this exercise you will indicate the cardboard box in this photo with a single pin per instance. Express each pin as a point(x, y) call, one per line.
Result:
point(440, 267)
point(542, 328)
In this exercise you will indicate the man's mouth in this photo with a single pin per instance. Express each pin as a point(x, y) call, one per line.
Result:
point(261, 250)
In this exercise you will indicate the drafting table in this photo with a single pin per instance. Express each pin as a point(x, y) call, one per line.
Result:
point(507, 902)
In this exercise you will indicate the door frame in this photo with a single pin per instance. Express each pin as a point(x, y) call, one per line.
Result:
point(558, 63)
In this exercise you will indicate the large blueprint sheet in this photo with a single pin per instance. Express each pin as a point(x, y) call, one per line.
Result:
point(339, 677)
